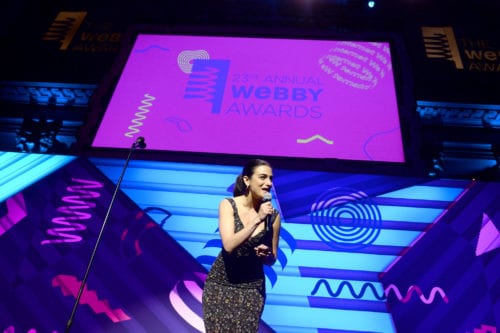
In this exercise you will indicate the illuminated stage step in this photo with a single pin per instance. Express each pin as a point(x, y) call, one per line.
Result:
point(182, 227)
point(20, 170)
point(327, 318)
point(319, 287)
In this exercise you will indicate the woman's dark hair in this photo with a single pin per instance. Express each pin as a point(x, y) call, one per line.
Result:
point(239, 186)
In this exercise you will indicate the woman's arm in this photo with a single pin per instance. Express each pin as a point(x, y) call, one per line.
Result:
point(269, 256)
point(230, 239)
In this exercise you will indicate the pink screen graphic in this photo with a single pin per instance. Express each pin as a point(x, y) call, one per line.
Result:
point(256, 96)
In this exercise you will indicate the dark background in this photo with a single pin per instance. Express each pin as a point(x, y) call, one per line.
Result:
point(450, 116)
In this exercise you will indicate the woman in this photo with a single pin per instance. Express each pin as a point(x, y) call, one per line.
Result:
point(234, 292)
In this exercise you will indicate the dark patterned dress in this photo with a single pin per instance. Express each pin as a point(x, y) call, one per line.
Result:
point(234, 292)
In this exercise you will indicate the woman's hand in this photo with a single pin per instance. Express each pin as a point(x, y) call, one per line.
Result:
point(263, 251)
point(265, 254)
point(266, 209)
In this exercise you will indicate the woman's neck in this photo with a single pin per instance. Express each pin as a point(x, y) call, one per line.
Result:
point(247, 201)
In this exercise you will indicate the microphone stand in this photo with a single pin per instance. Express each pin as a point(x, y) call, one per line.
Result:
point(139, 143)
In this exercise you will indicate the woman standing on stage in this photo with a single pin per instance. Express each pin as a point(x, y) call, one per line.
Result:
point(234, 293)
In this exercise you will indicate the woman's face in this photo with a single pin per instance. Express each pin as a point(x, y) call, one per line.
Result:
point(261, 181)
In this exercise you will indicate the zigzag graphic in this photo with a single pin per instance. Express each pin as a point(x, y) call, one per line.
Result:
point(140, 115)
point(440, 42)
point(369, 285)
point(350, 287)
point(70, 286)
point(437, 46)
point(419, 292)
point(75, 213)
point(202, 84)
point(58, 29)
point(315, 137)
point(64, 28)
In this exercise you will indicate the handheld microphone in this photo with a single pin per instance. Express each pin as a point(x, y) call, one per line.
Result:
point(139, 143)
point(267, 197)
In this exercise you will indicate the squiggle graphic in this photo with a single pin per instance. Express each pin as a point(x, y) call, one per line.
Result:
point(376, 136)
point(417, 290)
point(143, 109)
point(370, 286)
point(315, 137)
point(182, 124)
point(151, 47)
point(350, 287)
point(70, 286)
point(73, 212)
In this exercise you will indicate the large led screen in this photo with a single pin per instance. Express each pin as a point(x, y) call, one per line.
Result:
point(328, 99)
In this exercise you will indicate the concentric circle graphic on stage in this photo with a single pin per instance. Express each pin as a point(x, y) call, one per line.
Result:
point(345, 219)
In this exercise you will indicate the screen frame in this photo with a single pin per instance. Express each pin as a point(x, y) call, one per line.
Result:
point(402, 77)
